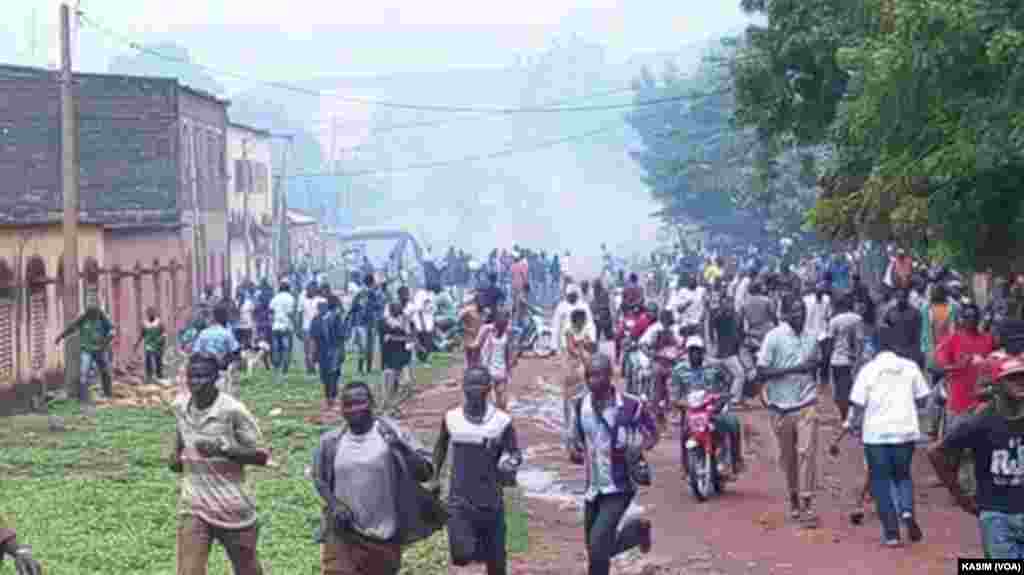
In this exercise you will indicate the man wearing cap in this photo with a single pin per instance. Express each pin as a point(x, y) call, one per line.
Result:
point(996, 437)
point(485, 457)
point(696, 376)
point(787, 362)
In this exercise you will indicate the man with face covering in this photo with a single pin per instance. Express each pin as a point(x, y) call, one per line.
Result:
point(786, 363)
point(216, 438)
point(478, 434)
point(366, 521)
point(609, 430)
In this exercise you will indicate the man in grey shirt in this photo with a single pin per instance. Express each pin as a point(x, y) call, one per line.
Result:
point(846, 331)
point(357, 478)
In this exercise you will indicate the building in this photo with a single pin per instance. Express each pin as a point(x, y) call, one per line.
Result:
point(153, 201)
point(250, 203)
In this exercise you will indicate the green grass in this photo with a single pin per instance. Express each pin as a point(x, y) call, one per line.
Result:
point(98, 499)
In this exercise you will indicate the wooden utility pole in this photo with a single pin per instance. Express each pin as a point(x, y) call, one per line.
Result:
point(246, 180)
point(69, 191)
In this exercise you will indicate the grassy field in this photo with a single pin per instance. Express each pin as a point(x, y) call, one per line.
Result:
point(98, 499)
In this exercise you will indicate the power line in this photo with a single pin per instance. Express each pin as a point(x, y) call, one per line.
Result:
point(610, 127)
point(89, 22)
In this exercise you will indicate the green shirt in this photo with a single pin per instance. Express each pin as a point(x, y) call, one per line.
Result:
point(711, 378)
point(153, 337)
point(93, 333)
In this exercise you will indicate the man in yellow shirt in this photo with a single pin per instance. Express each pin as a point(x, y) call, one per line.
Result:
point(713, 272)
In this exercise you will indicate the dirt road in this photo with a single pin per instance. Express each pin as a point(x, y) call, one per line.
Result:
point(742, 532)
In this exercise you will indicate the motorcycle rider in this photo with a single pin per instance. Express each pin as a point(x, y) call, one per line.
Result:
point(634, 325)
point(659, 340)
point(694, 376)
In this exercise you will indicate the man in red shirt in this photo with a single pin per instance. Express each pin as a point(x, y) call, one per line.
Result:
point(962, 355)
point(520, 272)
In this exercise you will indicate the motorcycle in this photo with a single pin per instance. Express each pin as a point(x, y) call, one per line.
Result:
point(705, 449)
point(640, 379)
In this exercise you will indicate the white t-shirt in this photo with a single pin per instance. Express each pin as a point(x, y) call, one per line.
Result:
point(246, 314)
point(695, 311)
point(283, 306)
point(740, 297)
point(817, 315)
point(887, 388)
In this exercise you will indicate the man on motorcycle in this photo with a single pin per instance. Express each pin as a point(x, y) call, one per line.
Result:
point(696, 376)
point(660, 341)
point(633, 326)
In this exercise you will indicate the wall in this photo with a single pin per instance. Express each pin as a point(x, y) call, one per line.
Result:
point(131, 293)
point(121, 269)
point(127, 139)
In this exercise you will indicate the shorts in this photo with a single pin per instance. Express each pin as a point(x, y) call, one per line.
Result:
point(842, 382)
point(476, 535)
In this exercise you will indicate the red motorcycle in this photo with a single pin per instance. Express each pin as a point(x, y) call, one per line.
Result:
point(705, 449)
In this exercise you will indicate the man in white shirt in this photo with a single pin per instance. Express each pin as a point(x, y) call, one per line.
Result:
point(819, 311)
point(742, 289)
point(884, 399)
point(572, 302)
point(688, 305)
point(283, 327)
point(310, 299)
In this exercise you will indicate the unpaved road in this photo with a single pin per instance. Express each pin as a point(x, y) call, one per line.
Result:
point(742, 532)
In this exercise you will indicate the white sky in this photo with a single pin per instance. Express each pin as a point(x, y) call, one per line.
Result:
point(302, 38)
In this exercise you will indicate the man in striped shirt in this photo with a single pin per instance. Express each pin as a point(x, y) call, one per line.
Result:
point(216, 438)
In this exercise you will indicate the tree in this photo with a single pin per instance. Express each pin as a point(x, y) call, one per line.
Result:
point(704, 170)
point(919, 103)
point(166, 60)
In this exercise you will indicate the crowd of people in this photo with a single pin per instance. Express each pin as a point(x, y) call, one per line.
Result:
point(774, 329)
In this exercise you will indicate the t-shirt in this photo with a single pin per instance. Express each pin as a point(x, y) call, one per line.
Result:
point(759, 314)
point(365, 483)
point(783, 348)
point(817, 314)
point(998, 446)
point(694, 312)
point(309, 309)
point(213, 488)
point(476, 448)
point(725, 324)
point(472, 321)
point(887, 388)
point(283, 307)
point(216, 340)
point(963, 382)
point(153, 336)
point(520, 272)
point(846, 330)
point(493, 350)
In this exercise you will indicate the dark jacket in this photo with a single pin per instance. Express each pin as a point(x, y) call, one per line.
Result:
point(420, 512)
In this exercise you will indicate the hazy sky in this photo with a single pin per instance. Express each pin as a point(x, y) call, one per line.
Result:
point(302, 38)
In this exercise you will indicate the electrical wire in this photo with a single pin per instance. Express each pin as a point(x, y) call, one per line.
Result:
point(610, 127)
point(90, 23)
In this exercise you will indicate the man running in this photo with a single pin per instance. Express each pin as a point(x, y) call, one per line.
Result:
point(602, 416)
point(485, 457)
point(95, 333)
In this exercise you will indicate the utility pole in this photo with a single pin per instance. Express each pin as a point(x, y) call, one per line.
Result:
point(69, 192)
point(280, 239)
point(245, 178)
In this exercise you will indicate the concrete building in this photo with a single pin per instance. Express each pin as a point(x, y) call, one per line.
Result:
point(250, 203)
point(153, 197)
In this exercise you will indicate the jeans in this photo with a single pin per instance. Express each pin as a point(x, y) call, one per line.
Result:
point(891, 484)
point(739, 376)
point(365, 337)
point(601, 518)
point(154, 364)
point(281, 349)
point(329, 378)
point(94, 361)
point(1002, 534)
point(195, 537)
point(478, 535)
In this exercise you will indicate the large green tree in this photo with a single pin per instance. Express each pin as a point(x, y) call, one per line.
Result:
point(918, 100)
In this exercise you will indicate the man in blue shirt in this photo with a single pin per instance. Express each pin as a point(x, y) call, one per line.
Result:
point(219, 341)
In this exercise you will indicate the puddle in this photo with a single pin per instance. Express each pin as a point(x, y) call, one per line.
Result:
point(545, 409)
point(545, 485)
